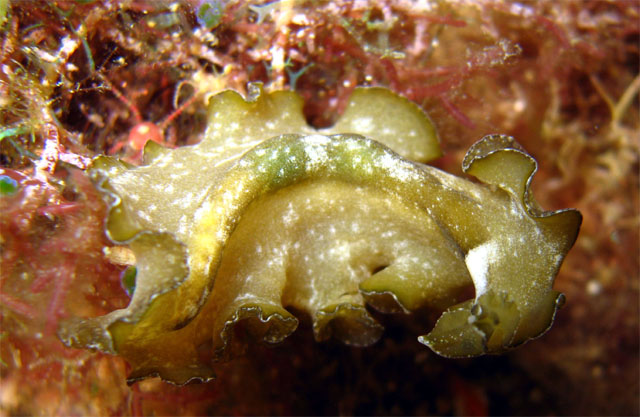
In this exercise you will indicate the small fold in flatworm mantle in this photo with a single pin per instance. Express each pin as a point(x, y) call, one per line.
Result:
point(268, 215)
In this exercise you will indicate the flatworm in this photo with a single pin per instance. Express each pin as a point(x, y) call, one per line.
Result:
point(268, 215)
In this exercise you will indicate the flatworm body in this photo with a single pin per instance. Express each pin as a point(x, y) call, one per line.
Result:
point(268, 215)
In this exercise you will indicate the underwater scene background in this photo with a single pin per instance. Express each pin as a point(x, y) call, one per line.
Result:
point(79, 79)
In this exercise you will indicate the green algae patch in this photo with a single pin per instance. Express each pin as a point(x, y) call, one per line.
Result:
point(8, 186)
point(268, 215)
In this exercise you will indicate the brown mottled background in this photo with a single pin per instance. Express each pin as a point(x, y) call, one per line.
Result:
point(562, 77)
